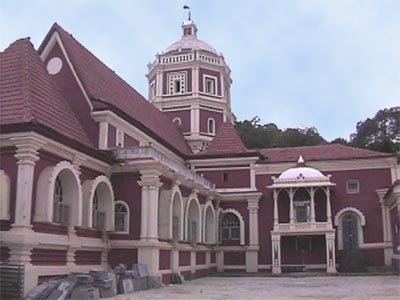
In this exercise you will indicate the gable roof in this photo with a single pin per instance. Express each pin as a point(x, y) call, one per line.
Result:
point(320, 152)
point(28, 94)
point(227, 142)
point(104, 87)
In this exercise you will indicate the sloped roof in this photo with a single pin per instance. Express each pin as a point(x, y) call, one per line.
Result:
point(227, 142)
point(28, 94)
point(101, 83)
point(320, 152)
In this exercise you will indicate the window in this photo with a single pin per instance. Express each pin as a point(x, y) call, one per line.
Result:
point(98, 217)
point(60, 208)
point(210, 85)
point(211, 126)
point(177, 121)
point(152, 91)
point(302, 210)
point(230, 227)
point(350, 232)
point(225, 177)
point(177, 83)
point(353, 186)
point(120, 138)
point(121, 217)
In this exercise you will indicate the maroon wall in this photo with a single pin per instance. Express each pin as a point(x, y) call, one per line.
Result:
point(188, 80)
point(203, 72)
point(205, 115)
point(213, 257)
point(165, 259)
point(127, 189)
point(112, 136)
point(48, 257)
point(73, 94)
point(184, 115)
point(367, 201)
point(130, 141)
point(184, 258)
point(83, 257)
point(128, 257)
point(235, 258)
point(200, 258)
point(236, 178)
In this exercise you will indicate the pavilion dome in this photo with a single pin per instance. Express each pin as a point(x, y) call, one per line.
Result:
point(301, 173)
point(189, 40)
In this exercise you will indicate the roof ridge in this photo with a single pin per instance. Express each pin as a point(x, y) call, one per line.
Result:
point(26, 87)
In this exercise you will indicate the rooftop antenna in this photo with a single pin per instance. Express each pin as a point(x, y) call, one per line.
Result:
point(188, 8)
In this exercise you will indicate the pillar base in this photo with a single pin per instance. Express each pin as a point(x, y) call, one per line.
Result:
point(220, 261)
point(150, 257)
point(276, 271)
point(331, 270)
point(251, 261)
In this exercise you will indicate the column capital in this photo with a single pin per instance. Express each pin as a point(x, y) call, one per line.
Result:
point(28, 146)
point(150, 178)
point(252, 205)
point(381, 194)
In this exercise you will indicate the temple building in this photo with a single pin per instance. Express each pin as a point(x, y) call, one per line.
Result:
point(93, 174)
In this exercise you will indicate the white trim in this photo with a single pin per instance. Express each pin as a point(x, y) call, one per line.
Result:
point(119, 138)
point(241, 222)
point(176, 190)
point(177, 121)
point(215, 80)
point(211, 129)
point(354, 210)
point(127, 219)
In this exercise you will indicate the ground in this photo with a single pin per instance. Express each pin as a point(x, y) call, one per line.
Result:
point(278, 288)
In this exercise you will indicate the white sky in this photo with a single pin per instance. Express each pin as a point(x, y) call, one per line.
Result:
point(321, 63)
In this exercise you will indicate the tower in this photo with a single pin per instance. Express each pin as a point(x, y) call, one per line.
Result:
point(190, 82)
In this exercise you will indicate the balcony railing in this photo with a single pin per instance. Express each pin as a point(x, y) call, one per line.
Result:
point(150, 152)
point(302, 226)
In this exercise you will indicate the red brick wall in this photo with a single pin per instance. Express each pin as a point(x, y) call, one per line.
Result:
point(83, 257)
point(165, 259)
point(235, 178)
point(205, 115)
point(112, 135)
point(184, 115)
point(48, 257)
point(184, 258)
point(200, 258)
point(130, 141)
point(234, 258)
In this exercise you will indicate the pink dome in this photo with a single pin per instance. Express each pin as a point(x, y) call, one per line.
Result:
point(190, 42)
point(301, 172)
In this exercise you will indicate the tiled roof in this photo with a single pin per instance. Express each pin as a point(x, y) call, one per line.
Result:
point(101, 83)
point(28, 94)
point(320, 152)
point(226, 142)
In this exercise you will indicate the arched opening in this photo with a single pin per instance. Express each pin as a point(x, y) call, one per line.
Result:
point(177, 121)
point(209, 225)
point(302, 206)
point(211, 126)
point(230, 227)
point(350, 231)
point(176, 215)
point(121, 217)
point(5, 190)
point(193, 224)
point(59, 192)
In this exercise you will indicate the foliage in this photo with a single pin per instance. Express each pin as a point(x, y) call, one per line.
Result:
point(381, 133)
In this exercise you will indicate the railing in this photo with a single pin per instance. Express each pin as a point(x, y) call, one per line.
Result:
point(150, 152)
point(302, 226)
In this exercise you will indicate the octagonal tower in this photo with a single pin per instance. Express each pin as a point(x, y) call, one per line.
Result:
point(190, 82)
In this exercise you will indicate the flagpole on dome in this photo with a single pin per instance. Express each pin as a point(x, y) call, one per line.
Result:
point(188, 8)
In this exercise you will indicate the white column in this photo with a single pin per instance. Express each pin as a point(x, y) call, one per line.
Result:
point(150, 184)
point(291, 212)
point(252, 250)
point(27, 156)
point(387, 234)
point(195, 119)
point(312, 194)
point(276, 254)
point(330, 253)
point(195, 81)
point(276, 211)
point(328, 206)
point(103, 135)
point(220, 260)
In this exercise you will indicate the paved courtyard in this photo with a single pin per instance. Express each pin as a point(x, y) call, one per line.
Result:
point(279, 288)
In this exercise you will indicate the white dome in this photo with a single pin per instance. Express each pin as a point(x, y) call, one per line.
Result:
point(301, 172)
point(190, 42)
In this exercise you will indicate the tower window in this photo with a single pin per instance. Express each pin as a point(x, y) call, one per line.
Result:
point(177, 83)
point(187, 31)
point(211, 126)
point(210, 85)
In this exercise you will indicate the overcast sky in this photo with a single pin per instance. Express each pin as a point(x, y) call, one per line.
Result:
point(312, 63)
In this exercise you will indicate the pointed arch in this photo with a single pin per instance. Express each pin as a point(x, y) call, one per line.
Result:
point(176, 214)
point(193, 219)
point(209, 218)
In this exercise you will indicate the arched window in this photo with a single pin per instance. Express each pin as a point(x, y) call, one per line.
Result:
point(60, 208)
point(121, 217)
point(230, 227)
point(177, 121)
point(211, 126)
point(350, 232)
point(193, 221)
point(209, 225)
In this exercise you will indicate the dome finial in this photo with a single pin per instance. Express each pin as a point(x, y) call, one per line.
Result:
point(300, 161)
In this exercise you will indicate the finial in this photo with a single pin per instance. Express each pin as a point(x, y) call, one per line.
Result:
point(188, 8)
point(300, 161)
